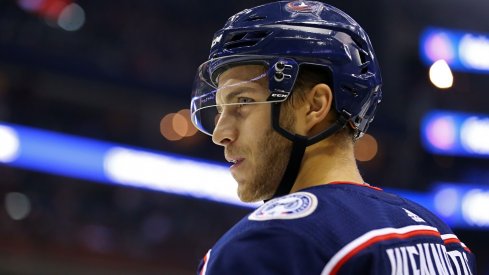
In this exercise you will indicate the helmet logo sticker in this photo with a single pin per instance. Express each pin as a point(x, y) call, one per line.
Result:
point(303, 7)
point(292, 206)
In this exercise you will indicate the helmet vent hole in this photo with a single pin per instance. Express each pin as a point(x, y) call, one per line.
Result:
point(363, 59)
point(237, 37)
point(245, 39)
point(255, 18)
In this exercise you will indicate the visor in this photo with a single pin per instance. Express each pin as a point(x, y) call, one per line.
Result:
point(268, 80)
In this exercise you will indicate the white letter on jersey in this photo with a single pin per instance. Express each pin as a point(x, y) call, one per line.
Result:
point(454, 255)
point(432, 259)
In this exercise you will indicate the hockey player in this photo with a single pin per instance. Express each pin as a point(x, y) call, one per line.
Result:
point(287, 89)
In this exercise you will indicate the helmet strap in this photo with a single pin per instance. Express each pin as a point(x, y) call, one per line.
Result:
point(299, 145)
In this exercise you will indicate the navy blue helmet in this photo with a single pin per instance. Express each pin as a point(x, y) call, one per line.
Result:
point(295, 33)
point(283, 36)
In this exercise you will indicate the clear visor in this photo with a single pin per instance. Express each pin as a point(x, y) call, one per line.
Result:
point(227, 84)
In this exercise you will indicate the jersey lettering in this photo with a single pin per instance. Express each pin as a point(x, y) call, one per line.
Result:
point(427, 258)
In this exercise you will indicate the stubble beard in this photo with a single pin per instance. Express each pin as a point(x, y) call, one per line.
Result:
point(272, 157)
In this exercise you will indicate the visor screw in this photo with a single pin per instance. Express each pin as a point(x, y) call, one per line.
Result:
point(279, 76)
point(279, 66)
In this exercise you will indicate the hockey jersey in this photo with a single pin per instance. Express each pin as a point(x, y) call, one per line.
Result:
point(339, 228)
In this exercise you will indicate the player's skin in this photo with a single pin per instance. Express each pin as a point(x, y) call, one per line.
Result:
point(245, 131)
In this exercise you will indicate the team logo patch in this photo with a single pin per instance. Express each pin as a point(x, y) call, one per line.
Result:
point(302, 6)
point(292, 206)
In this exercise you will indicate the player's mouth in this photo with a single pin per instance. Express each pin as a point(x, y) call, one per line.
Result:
point(236, 162)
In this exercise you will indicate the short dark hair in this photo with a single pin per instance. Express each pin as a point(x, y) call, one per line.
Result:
point(309, 76)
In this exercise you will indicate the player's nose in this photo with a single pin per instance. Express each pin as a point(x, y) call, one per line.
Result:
point(225, 131)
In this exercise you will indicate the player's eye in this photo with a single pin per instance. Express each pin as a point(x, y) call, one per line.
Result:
point(245, 100)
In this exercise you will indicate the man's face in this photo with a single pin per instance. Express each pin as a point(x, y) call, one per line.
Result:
point(259, 153)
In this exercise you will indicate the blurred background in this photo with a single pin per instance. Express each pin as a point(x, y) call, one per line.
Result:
point(99, 164)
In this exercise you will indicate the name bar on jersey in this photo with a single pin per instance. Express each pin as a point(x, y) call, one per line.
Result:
point(427, 258)
point(441, 255)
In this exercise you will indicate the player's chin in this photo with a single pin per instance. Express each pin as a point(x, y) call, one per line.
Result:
point(248, 193)
point(244, 195)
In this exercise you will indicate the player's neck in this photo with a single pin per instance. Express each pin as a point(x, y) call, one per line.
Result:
point(327, 162)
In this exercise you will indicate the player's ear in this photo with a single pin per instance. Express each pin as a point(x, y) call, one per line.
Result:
point(319, 101)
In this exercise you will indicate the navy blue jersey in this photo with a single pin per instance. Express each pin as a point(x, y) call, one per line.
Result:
point(339, 228)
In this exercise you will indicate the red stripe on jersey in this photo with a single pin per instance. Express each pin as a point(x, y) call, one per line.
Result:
point(372, 237)
point(380, 239)
point(450, 239)
point(356, 183)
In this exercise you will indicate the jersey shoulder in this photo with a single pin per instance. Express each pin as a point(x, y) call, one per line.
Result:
point(267, 236)
point(389, 233)
point(331, 228)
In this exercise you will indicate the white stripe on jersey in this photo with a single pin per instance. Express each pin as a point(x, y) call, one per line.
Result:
point(343, 254)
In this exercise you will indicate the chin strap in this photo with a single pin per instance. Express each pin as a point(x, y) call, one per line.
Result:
point(298, 148)
point(299, 145)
